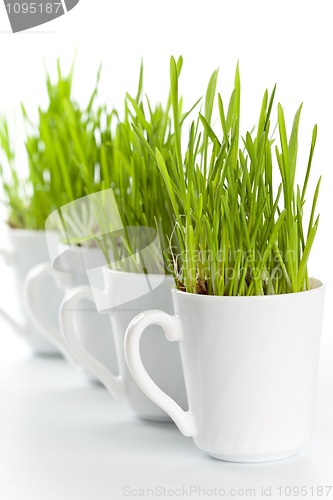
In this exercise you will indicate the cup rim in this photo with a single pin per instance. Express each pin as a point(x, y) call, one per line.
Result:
point(76, 248)
point(320, 286)
point(107, 270)
point(29, 232)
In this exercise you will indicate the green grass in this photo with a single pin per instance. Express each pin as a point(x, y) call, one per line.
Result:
point(238, 233)
point(64, 151)
point(227, 207)
point(138, 185)
point(71, 154)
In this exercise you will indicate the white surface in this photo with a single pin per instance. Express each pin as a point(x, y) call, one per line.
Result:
point(61, 439)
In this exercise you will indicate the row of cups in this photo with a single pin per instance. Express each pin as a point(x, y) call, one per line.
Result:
point(238, 374)
point(61, 316)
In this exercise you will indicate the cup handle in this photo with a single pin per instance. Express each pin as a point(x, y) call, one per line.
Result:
point(31, 296)
point(184, 420)
point(113, 383)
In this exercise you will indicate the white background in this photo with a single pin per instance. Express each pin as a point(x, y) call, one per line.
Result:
point(286, 42)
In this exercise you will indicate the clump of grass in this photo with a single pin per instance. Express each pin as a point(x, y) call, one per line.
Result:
point(225, 227)
point(238, 233)
point(73, 152)
point(65, 152)
point(138, 185)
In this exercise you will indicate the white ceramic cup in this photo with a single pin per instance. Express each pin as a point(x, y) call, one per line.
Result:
point(25, 250)
point(250, 367)
point(92, 327)
point(162, 360)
